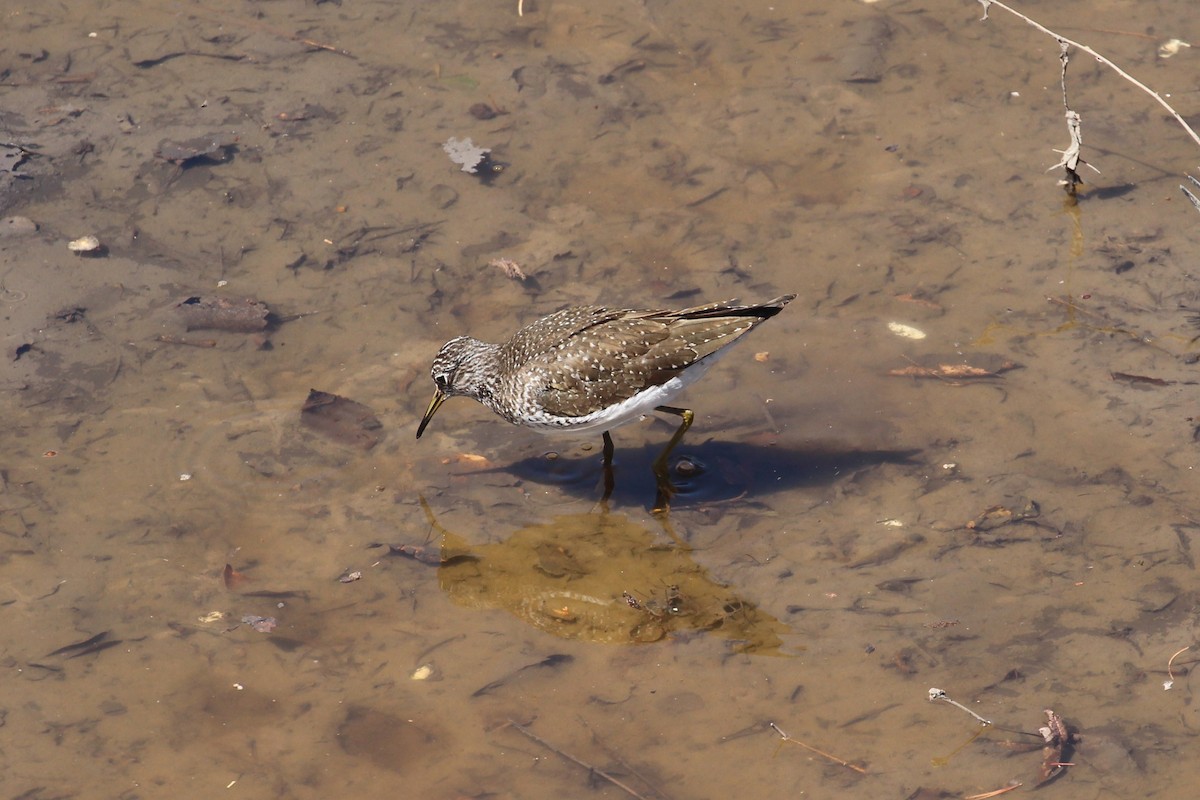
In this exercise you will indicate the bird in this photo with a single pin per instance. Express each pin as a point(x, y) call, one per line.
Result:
point(589, 368)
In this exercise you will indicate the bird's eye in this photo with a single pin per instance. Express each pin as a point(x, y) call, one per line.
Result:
point(442, 381)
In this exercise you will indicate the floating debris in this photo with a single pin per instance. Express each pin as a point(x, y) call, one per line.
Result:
point(1171, 47)
point(87, 246)
point(214, 148)
point(907, 331)
point(1059, 740)
point(260, 624)
point(237, 314)
point(425, 672)
point(350, 577)
point(341, 419)
point(465, 153)
point(510, 268)
point(948, 370)
point(999, 516)
point(472, 158)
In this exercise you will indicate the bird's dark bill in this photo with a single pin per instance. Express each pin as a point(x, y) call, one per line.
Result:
point(439, 397)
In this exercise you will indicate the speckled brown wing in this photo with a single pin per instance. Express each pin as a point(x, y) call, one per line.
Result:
point(543, 337)
point(618, 357)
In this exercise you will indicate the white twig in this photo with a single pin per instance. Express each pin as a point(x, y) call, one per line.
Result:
point(938, 694)
point(1071, 158)
point(1195, 200)
point(987, 4)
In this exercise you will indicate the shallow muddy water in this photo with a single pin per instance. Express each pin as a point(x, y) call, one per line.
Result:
point(203, 591)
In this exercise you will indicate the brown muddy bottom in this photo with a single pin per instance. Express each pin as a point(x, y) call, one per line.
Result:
point(1004, 510)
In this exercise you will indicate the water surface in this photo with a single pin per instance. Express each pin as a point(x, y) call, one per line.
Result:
point(854, 537)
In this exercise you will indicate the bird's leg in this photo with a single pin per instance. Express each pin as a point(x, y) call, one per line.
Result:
point(609, 481)
point(661, 472)
point(660, 463)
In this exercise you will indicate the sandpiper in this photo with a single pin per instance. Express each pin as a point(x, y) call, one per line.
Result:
point(592, 368)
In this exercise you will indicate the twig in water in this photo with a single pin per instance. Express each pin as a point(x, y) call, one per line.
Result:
point(594, 770)
point(821, 753)
point(620, 760)
point(938, 694)
point(941, 761)
point(763, 404)
point(510, 268)
point(987, 4)
point(1195, 200)
point(167, 339)
point(1071, 159)
point(1071, 156)
point(1170, 681)
point(997, 793)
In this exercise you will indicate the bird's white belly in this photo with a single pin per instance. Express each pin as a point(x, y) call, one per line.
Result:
point(631, 410)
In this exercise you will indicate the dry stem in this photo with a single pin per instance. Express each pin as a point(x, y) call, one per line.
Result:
point(594, 770)
point(1171, 660)
point(987, 4)
point(997, 793)
point(821, 753)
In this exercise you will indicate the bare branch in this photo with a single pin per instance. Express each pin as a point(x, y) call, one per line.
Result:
point(987, 4)
point(1195, 200)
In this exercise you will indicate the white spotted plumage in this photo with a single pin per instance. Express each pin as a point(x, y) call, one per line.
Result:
point(591, 367)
